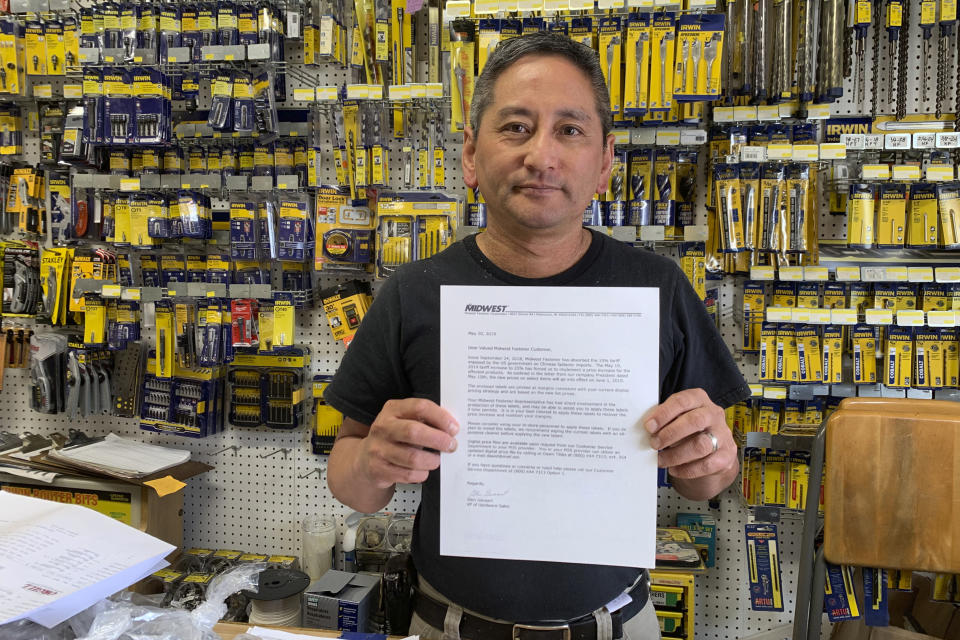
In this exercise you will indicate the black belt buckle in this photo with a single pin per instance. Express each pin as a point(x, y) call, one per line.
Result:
point(565, 628)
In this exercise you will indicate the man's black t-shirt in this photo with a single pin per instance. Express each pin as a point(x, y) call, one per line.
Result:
point(396, 354)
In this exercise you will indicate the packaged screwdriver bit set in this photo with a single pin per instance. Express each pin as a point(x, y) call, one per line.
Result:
point(188, 403)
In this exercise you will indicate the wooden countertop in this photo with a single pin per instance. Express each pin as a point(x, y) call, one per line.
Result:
point(229, 630)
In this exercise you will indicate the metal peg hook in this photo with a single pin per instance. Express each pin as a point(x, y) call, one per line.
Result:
point(318, 470)
point(283, 451)
point(234, 448)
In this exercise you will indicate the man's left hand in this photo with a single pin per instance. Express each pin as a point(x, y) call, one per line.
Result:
point(694, 443)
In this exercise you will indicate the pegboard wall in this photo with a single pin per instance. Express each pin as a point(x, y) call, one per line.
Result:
point(265, 482)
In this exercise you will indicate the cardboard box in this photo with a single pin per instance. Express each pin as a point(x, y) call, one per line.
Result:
point(931, 617)
point(341, 600)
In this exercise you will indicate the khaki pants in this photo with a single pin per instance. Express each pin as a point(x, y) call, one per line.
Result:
point(642, 626)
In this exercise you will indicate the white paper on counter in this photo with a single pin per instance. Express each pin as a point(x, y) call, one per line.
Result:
point(58, 559)
point(549, 385)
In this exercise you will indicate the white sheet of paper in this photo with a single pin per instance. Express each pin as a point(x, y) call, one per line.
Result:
point(549, 385)
point(58, 559)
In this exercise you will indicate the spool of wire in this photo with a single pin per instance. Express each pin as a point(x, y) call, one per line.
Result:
point(277, 600)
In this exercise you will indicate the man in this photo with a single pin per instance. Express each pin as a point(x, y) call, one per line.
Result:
point(538, 149)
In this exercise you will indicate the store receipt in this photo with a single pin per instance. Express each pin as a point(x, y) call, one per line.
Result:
point(550, 385)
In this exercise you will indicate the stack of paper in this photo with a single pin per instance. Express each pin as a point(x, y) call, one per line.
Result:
point(58, 559)
point(121, 457)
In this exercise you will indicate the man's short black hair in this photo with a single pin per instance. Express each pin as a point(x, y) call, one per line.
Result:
point(541, 43)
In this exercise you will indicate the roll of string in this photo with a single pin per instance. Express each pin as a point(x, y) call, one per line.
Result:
point(283, 612)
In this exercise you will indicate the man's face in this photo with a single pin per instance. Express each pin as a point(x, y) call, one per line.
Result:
point(539, 154)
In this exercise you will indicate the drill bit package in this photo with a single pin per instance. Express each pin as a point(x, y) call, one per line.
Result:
point(686, 188)
point(700, 46)
point(207, 23)
point(128, 31)
point(243, 103)
point(808, 355)
point(750, 173)
point(462, 45)
point(295, 231)
point(611, 43)
point(754, 307)
point(10, 67)
point(190, 32)
point(395, 234)
point(267, 221)
point(35, 48)
point(641, 180)
point(860, 215)
point(637, 52)
point(928, 370)
point(228, 32)
point(787, 367)
point(243, 230)
point(195, 215)
point(727, 180)
point(221, 115)
point(798, 198)
point(266, 107)
point(768, 352)
point(773, 190)
point(151, 108)
point(614, 197)
point(892, 215)
point(833, 354)
point(55, 51)
point(898, 357)
point(118, 106)
point(948, 200)
point(922, 229)
point(663, 45)
point(147, 31)
point(864, 338)
point(665, 186)
point(951, 356)
point(170, 30)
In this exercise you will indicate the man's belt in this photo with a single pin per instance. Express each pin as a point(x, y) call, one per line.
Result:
point(584, 628)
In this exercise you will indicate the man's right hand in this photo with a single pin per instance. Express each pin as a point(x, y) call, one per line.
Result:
point(402, 445)
point(404, 442)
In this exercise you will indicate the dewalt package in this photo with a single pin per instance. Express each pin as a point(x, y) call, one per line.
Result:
point(861, 231)
point(768, 352)
point(754, 307)
point(788, 357)
point(833, 354)
point(951, 356)
point(808, 355)
point(948, 200)
point(729, 207)
point(898, 357)
point(864, 337)
point(928, 370)
point(892, 217)
point(922, 229)
point(641, 182)
point(345, 306)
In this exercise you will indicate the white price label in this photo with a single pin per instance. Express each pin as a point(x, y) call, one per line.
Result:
point(668, 138)
point(745, 114)
point(775, 393)
point(693, 137)
point(818, 111)
point(876, 171)
point(896, 141)
point(753, 154)
point(913, 318)
point(879, 316)
point(939, 173)
point(948, 274)
point(762, 273)
point(816, 274)
point(791, 274)
point(806, 152)
point(854, 141)
point(896, 274)
point(848, 274)
point(801, 314)
point(820, 316)
point(779, 314)
point(942, 318)
point(873, 141)
point(843, 316)
point(723, 114)
point(768, 112)
point(924, 140)
point(948, 140)
point(906, 172)
point(780, 152)
point(833, 151)
point(920, 274)
point(621, 136)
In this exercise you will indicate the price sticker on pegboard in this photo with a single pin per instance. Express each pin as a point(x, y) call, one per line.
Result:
point(896, 141)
